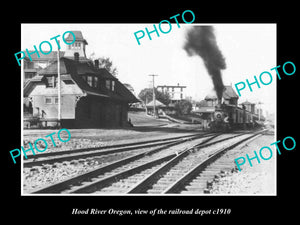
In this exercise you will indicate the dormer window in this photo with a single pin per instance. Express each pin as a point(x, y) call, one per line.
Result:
point(110, 85)
point(107, 84)
point(90, 81)
point(95, 83)
point(113, 85)
point(51, 81)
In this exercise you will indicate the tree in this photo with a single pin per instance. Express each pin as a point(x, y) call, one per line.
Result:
point(105, 62)
point(183, 107)
point(108, 65)
point(147, 95)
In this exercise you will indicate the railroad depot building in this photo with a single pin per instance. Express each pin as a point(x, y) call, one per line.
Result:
point(90, 96)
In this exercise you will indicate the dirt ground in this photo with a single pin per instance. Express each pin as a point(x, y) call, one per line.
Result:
point(260, 179)
point(84, 138)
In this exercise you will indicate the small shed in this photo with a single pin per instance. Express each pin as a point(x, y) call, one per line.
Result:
point(159, 106)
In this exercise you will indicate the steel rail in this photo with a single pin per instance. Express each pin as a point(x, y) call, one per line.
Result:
point(61, 186)
point(147, 182)
point(132, 144)
point(179, 184)
point(106, 181)
point(81, 155)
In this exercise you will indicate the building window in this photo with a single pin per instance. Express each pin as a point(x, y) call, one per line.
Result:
point(113, 85)
point(52, 100)
point(29, 75)
point(48, 100)
point(90, 81)
point(68, 82)
point(51, 82)
point(75, 45)
point(107, 84)
point(95, 83)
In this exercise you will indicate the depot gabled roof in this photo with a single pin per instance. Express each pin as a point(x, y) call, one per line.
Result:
point(74, 70)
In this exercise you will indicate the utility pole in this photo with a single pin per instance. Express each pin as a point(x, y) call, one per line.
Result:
point(58, 88)
point(259, 110)
point(154, 97)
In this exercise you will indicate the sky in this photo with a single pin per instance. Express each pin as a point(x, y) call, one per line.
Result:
point(249, 49)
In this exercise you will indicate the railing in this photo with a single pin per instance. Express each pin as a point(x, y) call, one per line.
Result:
point(37, 122)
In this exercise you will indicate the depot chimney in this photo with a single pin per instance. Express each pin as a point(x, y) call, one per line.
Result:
point(96, 63)
point(76, 56)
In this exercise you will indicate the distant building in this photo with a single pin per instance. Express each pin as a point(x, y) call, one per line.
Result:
point(229, 97)
point(249, 106)
point(176, 92)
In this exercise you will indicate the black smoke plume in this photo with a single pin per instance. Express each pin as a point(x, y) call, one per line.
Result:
point(201, 41)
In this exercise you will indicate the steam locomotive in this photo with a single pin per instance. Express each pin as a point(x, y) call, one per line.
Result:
point(228, 117)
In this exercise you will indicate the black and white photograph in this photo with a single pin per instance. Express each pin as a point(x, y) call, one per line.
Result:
point(109, 111)
point(151, 114)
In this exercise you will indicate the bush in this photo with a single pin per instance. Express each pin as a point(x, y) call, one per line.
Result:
point(183, 107)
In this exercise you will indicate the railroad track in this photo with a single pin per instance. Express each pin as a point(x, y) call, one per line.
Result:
point(69, 155)
point(165, 150)
point(174, 176)
point(149, 172)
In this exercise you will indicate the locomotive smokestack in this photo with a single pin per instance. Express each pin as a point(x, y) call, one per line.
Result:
point(201, 41)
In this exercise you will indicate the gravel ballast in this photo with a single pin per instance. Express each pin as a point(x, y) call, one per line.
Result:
point(260, 179)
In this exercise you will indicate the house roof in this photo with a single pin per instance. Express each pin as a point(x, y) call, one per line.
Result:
point(51, 57)
point(71, 69)
point(247, 103)
point(157, 104)
point(228, 93)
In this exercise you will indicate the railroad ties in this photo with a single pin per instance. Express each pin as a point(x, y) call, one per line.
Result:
point(178, 166)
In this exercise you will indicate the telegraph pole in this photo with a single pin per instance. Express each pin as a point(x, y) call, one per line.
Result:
point(58, 88)
point(259, 110)
point(154, 97)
